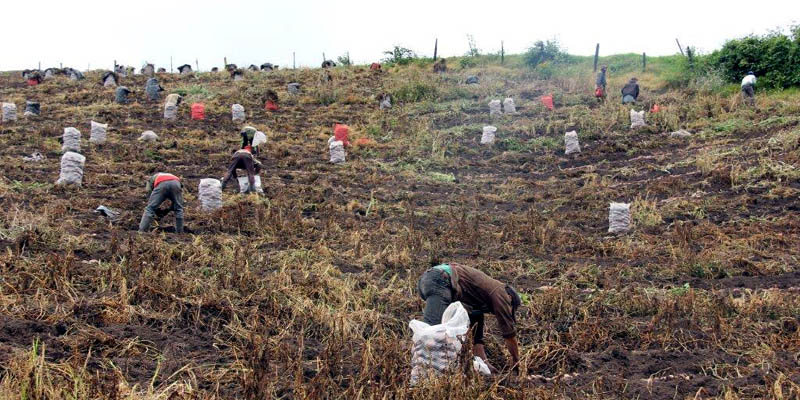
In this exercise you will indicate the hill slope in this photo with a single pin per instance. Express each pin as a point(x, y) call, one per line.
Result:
point(307, 291)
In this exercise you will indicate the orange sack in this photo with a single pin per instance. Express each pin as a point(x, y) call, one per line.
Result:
point(198, 111)
point(548, 101)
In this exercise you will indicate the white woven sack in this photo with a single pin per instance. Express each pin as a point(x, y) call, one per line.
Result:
point(71, 140)
point(9, 112)
point(508, 106)
point(244, 183)
point(97, 134)
point(237, 113)
point(619, 217)
point(488, 134)
point(494, 108)
point(210, 194)
point(571, 143)
point(336, 148)
point(71, 169)
point(637, 119)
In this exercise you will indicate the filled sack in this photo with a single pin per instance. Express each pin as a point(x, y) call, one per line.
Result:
point(488, 134)
point(494, 108)
point(237, 113)
point(436, 348)
point(619, 217)
point(71, 140)
point(571, 143)
point(71, 169)
point(97, 134)
point(210, 194)
point(148, 136)
point(508, 106)
point(32, 108)
point(9, 112)
point(336, 148)
point(244, 184)
point(637, 119)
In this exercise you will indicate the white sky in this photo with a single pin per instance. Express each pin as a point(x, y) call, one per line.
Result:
point(82, 33)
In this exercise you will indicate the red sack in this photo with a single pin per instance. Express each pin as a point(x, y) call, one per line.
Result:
point(32, 82)
point(548, 101)
point(198, 111)
point(655, 108)
point(598, 92)
point(271, 106)
point(340, 133)
point(375, 66)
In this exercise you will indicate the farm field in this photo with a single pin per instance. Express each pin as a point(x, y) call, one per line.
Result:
point(307, 291)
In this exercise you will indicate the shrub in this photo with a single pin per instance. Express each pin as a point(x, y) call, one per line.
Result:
point(415, 91)
point(344, 60)
point(775, 59)
point(541, 52)
point(399, 55)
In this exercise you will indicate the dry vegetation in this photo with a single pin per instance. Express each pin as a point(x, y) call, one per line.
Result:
point(307, 291)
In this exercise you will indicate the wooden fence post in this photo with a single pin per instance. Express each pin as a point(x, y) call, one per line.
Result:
point(596, 54)
point(294, 65)
point(502, 53)
point(435, 48)
point(679, 46)
point(644, 62)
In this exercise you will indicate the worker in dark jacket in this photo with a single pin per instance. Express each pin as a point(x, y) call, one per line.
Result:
point(630, 92)
point(600, 84)
point(162, 187)
point(480, 294)
point(243, 159)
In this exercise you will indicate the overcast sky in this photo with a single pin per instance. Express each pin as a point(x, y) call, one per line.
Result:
point(83, 33)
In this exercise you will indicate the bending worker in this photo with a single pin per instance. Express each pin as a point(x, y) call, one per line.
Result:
point(480, 294)
point(243, 159)
point(162, 187)
point(630, 92)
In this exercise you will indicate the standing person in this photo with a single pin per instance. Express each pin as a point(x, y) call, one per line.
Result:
point(630, 92)
point(600, 84)
point(243, 159)
point(748, 88)
point(480, 294)
point(162, 187)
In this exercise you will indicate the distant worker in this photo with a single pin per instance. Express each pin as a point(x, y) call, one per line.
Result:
point(749, 88)
point(248, 134)
point(600, 84)
point(162, 187)
point(630, 92)
point(243, 159)
point(480, 294)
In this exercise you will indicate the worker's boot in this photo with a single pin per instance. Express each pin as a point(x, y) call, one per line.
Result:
point(178, 225)
point(144, 224)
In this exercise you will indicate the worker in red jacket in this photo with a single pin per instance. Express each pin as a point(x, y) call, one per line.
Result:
point(162, 187)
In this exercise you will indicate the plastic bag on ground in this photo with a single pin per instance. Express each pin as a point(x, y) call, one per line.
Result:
point(336, 148)
point(508, 106)
point(210, 194)
point(619, 217)
point(71, 140)
point(683, 133)
point(480, 366)
point(548, 102)
point(71, 169)
point(98, 133)
point(488, 134)
point(436, 347)
point(121, 95)
point(237, 113)
point(9, 112)
point(637, 119)
point(244, 183)
point(386, 102)
point(34, 157)
point(32, 108)
point(259, 138)
point(494, 108)
point(571, 143)
point(148, 136)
